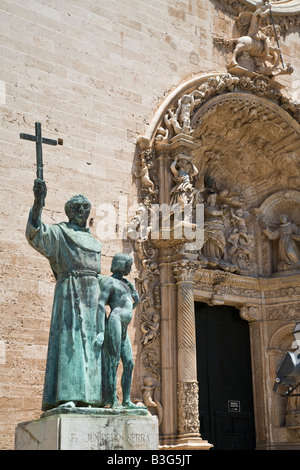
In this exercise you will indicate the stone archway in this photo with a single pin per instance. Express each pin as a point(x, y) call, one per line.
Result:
point(239, 138)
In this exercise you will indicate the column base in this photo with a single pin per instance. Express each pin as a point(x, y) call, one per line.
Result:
point(188, 442)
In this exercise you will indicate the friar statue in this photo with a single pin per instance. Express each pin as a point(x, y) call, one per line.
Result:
point(73, 370)
point(120, 295)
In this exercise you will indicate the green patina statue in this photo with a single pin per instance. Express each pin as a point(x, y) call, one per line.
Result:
point(74, 362)
point(120, 295)
point(85, 346)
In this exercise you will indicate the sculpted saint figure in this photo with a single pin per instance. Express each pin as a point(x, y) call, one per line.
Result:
point(254, 31)
point(288, 252)
point(185, 108)
point(183, 171)
point(120, 295)
point(214, 236)
point(73, 370)
point(256, 43)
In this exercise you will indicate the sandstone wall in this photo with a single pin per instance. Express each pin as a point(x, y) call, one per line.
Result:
point(93, 73)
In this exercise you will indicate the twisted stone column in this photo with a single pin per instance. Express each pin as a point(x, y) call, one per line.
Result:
point(186, 339)
point(187, 384)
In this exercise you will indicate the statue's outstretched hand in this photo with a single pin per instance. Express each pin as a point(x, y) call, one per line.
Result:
point(39, 191)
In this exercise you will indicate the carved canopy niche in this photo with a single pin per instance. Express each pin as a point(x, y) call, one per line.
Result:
point(248, 146)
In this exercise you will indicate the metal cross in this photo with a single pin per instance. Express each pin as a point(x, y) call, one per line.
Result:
point(39, 140)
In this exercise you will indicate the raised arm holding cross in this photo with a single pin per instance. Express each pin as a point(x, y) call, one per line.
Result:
point(39, 189)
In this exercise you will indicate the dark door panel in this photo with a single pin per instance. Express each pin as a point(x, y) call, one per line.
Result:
point(224, 376)
point(234, 431)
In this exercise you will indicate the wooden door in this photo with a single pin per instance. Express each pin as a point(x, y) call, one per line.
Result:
point(225, 379)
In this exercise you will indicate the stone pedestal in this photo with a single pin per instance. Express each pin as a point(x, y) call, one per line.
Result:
point(89, 429)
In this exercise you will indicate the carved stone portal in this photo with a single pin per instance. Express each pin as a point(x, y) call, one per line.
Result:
point(230, 144)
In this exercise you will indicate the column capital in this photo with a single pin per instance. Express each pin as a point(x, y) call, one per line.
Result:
point(184, 270)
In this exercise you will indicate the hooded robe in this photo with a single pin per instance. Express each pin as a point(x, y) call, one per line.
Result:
point(73, 370)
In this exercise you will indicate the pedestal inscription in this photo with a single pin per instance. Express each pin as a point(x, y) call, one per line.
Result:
point(92, 432)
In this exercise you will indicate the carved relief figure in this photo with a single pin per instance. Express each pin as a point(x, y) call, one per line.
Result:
point(288, 252)
point(146, 182)
point(257, 44)
point(138, 228)
point(214, 236)
point(254, 31)
point(179, 121)
point(183, 171)
point(150, 329)
point(240, 242)
point(233, 244)
point(227, 243)
point(185, 108)
point(178, 118)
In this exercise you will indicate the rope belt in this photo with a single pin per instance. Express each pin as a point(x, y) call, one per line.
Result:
point(77, 273)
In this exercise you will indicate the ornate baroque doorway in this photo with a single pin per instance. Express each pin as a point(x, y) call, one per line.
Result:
point(229, 144)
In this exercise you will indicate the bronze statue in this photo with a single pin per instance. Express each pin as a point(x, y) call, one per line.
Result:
point(73, 371)
point(120, 295)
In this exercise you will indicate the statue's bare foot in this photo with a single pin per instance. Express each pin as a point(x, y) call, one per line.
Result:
point(129, 404)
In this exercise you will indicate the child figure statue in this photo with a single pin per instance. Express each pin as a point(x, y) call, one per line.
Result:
point(120, 295)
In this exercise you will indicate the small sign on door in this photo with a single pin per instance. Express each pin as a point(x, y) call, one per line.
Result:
point(234, 405)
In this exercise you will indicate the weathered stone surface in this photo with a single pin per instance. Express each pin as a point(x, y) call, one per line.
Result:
point(89, 430)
